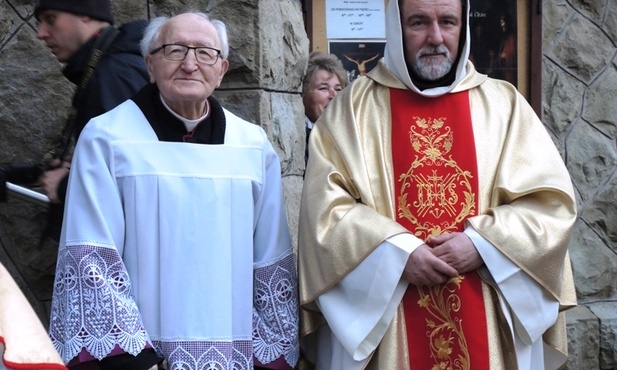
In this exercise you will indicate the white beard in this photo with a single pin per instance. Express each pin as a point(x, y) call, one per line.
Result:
point(431, 69)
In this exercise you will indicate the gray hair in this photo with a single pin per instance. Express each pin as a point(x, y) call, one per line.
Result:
point(152, 33)
point(326, 62)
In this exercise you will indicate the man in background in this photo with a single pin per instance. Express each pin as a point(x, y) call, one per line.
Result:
point(103, 61)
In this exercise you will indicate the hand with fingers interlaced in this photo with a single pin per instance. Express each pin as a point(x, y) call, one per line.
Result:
point(424, 268)
point(457, 250)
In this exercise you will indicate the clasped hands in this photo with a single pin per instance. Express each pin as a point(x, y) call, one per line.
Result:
point(442, 257)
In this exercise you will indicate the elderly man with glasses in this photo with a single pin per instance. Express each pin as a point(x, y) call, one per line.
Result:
point(175, 251)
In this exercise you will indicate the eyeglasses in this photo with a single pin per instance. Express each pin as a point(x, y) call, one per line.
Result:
point(177, 53)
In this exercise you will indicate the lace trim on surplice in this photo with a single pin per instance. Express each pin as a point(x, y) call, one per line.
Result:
point(93, 309)
point(197, 355)
point(275, 312)
point(92, 306)
point(275, 328)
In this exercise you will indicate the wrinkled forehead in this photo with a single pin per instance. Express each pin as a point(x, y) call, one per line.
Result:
point(406, 6)
point(191, 30)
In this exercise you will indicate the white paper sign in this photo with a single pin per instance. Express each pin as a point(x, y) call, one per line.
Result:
point(355, 19)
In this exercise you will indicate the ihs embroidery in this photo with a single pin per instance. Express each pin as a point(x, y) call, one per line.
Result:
point(436, 194)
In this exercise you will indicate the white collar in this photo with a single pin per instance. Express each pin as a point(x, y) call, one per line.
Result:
point(190, 124)
point(309, 124)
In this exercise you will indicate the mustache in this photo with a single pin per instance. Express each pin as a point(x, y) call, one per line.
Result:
point(428, 50)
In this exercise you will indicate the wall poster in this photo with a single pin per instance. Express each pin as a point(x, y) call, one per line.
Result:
point(360, 19)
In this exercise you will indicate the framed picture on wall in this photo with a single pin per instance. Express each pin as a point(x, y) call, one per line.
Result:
point(358, 56)
point(494, 39)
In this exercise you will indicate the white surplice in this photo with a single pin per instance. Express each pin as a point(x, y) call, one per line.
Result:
point(183, 246)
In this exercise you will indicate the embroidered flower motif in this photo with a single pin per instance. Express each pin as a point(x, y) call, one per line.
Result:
point(443, 347)
point(424, 301)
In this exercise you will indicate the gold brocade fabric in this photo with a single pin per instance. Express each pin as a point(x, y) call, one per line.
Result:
point(26, 343)
point(526, 205)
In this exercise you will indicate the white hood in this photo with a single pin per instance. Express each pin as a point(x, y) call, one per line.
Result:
point(394, 53)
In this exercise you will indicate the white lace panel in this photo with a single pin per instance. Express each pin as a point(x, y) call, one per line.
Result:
point(92, 305)
point(275, 312)
point(93, 309)
point(207, 355)
point(275, 329)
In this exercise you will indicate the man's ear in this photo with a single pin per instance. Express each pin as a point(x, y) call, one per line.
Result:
point(86, 19)
point(224, 68)
point(89, 26)
point(150, 68)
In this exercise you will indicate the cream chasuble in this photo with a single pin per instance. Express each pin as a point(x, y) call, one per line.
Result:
point(348, 205)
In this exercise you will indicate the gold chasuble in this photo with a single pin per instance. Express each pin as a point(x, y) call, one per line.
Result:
point(436, 187)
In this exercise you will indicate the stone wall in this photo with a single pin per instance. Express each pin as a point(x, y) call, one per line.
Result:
point(580, 110)
point(268, 54)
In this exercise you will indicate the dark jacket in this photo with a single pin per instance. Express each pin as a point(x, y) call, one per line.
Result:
point(120, 73)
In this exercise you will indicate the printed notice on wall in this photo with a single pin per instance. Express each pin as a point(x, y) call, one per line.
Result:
point(355, 19)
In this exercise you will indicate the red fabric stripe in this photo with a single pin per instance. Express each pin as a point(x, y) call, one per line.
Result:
point(436, 185)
